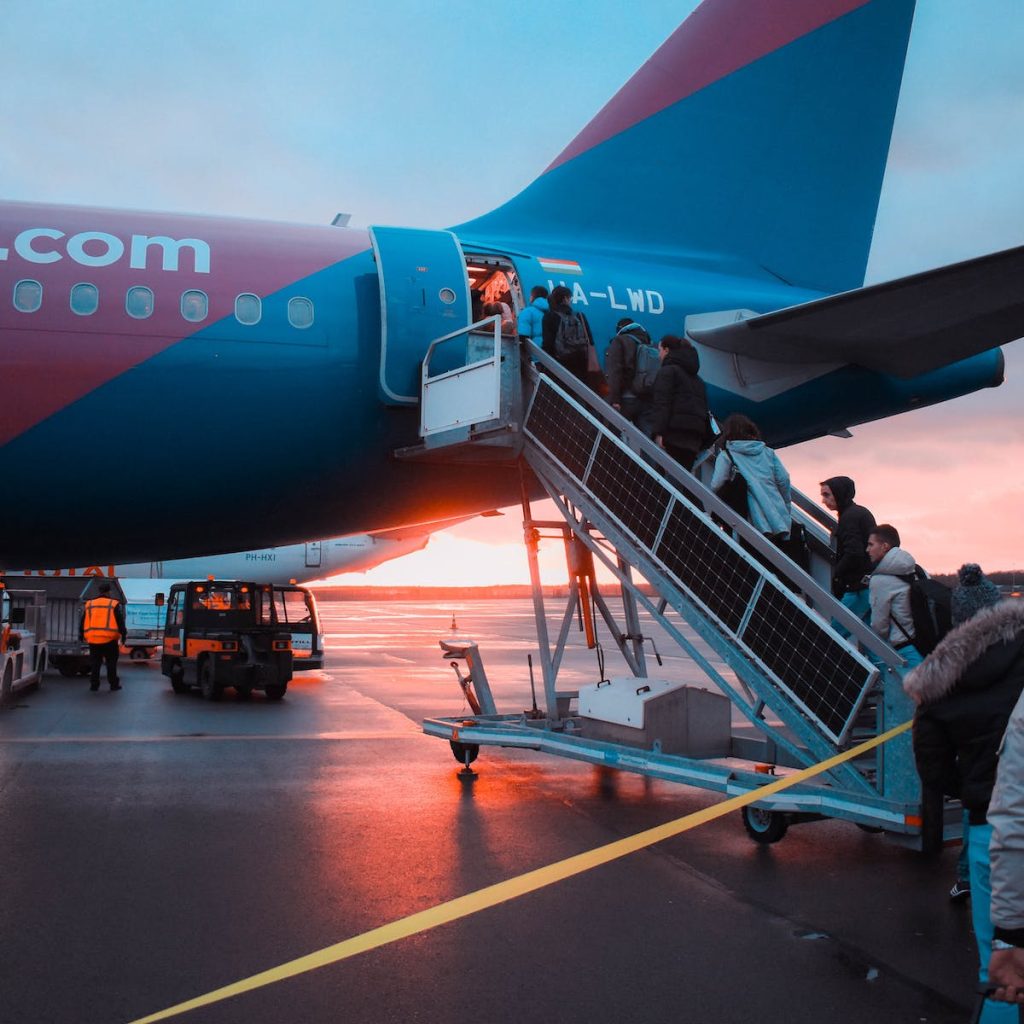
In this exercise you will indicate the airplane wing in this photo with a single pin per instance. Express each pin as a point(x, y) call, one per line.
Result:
point(904, 327)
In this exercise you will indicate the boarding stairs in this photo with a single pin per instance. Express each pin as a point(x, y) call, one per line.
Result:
point(809, 677)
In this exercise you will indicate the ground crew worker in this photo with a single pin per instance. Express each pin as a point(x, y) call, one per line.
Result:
point(102, 628)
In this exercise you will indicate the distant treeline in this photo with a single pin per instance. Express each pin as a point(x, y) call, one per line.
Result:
point(1008, 579)
point(502, 593)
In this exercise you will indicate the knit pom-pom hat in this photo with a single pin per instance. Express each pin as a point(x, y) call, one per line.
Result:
point(974, 592)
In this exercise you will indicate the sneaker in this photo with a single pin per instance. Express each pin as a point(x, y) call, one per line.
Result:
point(961, 890)
point(116, 686)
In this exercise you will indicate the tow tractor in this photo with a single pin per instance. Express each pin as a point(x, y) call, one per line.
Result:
point(22, 640)
point(221, 633)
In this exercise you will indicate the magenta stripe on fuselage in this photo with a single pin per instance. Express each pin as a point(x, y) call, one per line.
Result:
point(720, 37)
point(53, 357)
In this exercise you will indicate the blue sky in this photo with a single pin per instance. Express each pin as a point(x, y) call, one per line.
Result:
point(403, 113)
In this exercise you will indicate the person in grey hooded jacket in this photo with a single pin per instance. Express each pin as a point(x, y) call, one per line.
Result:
point(768, 488)
point(889, 595)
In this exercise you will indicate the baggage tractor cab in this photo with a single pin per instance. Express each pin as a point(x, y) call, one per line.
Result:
point(220, 633)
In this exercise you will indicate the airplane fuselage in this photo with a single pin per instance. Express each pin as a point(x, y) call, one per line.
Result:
point(171, 382)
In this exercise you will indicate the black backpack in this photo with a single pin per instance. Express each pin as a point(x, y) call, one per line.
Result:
point(930, 603)
point(571, 336)
point(734, 490)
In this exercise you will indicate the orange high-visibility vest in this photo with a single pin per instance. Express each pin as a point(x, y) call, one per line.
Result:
point(100, 625)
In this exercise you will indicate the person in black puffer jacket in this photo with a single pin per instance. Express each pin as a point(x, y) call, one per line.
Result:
point(680, 418)
point(965, 692)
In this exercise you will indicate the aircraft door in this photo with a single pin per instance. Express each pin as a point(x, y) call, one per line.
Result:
point(313, 554)
point(424, 294)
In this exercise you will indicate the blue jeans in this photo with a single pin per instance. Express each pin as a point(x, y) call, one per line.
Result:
point(978, 839)
point(858, 603)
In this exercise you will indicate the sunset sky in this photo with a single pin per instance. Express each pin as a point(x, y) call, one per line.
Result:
point(425, 115)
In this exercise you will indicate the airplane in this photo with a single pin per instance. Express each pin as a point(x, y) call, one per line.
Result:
point(729, 189)
point(292, 563)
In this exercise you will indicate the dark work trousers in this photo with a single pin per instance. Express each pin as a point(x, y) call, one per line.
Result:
point(100, 653)
point(684, 456)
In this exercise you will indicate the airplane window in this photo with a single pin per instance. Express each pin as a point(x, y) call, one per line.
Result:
point(300, 312)
point(139, 302)
point(194, 306)
point(28, 296)
point(85, 299)
point(248, 309)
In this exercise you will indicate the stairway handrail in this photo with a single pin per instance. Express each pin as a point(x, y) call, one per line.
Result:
point(707, 501)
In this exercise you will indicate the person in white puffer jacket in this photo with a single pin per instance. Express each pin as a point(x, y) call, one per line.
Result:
point(891, 617)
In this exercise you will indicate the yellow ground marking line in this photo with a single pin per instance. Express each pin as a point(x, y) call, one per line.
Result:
point(502, 892)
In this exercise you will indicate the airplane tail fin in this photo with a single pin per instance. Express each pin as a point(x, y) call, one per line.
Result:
point(759, 131)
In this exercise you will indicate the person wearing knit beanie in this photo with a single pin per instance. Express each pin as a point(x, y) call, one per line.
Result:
point(973, 592)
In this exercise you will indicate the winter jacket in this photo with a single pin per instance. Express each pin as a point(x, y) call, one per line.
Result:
point(681, 400)
point(620, 361)
point(531, 318)
point(1006, 816)
point(768, 491)
point(850, 540)
point(890, 598)
point(966, 690)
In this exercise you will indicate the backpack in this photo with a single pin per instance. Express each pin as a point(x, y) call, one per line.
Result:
point(734, 490)
point(646, 364)
point(930, 603)
point(571, 336)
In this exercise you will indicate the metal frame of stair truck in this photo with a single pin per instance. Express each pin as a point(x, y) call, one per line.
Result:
point(879, 791)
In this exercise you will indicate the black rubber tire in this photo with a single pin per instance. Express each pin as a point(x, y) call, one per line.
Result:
point(275, 691)
point(763, 826)
point(243, 693)
point(138, 654)
point(461, 750)
point(207, 686)
point(66, 670)
point(872, 830)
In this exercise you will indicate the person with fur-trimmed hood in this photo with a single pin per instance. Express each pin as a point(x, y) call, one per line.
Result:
point(965, 692)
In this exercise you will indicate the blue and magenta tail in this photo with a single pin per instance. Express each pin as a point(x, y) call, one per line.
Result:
point(759, 131)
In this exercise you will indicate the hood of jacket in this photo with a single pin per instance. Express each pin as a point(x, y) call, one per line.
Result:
point(957, 661)
point(637, 333)
point(895, 562)
point(686, 358)
point(541, 303)
point(843, 489)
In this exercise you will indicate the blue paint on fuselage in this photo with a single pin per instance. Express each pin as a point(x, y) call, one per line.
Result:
point(243, 437)
point(779, 163)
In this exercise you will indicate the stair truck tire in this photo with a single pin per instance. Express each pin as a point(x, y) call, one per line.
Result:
point(177, 676)
point(275, 691)
point(207, 680)
point(764, 827)
point(464, 753)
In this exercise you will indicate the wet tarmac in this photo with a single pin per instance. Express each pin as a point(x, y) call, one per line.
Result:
point(155, 847)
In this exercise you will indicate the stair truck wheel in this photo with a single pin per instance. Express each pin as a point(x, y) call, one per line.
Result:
point(464, 753)
point(207, 683)
point(275, 691)
point(177, 676)
point(763, 826)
